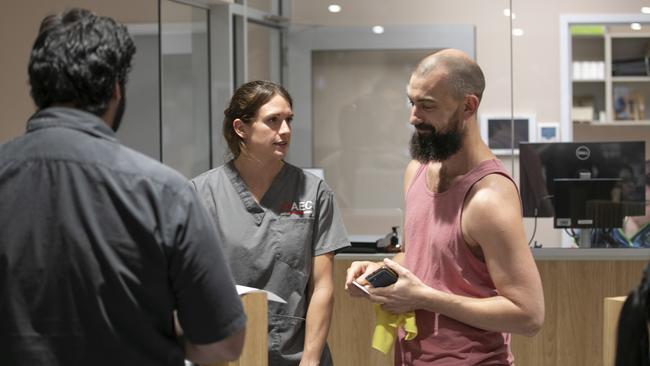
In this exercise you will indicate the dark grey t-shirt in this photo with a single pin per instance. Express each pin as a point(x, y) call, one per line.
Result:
point(98, 245)
point(271, 245)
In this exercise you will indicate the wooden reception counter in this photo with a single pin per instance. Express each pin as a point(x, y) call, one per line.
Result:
point(575, 283)
point(256, 340)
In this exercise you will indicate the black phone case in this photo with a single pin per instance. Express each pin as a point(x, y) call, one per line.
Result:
point(382, 277)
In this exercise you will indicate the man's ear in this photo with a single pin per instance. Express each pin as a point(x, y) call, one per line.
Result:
point(113, 104)
point(240, 128)
point(117, 91)
point(470, 104)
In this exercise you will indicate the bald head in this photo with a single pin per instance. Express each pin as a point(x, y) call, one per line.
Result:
point(462, 74)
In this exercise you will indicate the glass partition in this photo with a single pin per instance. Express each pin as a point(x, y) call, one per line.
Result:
point(361, 129)
point(358, 63)
point(141, 127)
point(590, 87)
point(185, 93)
point(267, 6)
point(263, 52)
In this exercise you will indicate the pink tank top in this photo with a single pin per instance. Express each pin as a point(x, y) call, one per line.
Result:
point(437, 254)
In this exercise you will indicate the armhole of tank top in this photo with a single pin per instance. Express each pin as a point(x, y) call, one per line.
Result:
point(418, 172)
point(460, 234)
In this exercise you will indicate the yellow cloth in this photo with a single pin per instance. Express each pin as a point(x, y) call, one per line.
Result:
point(386, 325)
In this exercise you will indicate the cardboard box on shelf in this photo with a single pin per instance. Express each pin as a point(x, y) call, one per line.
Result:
point(582, 114)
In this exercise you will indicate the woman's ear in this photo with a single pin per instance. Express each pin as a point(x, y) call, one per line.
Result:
point(241, 128)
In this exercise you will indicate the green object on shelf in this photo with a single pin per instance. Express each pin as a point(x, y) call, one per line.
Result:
point(587, 30)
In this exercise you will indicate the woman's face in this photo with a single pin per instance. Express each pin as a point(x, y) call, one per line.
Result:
point(268, 136)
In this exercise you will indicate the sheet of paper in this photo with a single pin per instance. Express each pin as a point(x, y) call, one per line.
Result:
point(241, 290)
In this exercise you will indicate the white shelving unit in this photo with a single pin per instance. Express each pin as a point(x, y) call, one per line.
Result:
point(627, 45)
point(600, 91)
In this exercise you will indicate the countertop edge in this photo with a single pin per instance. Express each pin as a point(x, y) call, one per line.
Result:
point(567, 254)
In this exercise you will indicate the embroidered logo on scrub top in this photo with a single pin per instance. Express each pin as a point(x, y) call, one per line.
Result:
point(296, 208)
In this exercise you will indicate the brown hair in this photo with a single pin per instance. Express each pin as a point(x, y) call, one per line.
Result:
point(244, 104)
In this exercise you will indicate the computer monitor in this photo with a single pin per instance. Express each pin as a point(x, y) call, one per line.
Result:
point(573, 181)
point(587, 203)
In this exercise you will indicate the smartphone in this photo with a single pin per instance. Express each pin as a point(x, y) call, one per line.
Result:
point(361, 287)
point(382, 277)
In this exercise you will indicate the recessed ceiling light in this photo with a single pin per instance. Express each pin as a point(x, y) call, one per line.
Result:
point(645, 10)
point(507, 13)
point(635, 26)
point(334, 8)
point(378, 29)
point(517, 32)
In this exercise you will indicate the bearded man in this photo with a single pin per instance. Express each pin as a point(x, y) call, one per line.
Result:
point(466, 270)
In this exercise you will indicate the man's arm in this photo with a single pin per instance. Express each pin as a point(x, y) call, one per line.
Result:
point(209, 309)
point(491, 220)
point(225, 350)
point(319, 309)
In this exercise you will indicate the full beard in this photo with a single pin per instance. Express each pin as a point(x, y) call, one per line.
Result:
point(436, 146)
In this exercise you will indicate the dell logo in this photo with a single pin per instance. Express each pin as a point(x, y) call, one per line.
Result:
point(583, 152)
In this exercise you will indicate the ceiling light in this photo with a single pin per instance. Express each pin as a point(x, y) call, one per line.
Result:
point(635, 26)
point(507, 13)
point(517, 32)
point(334, 8)
point(378, 29)
point(645, 10)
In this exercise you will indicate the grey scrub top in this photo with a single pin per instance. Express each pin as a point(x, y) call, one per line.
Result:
point(270, 245)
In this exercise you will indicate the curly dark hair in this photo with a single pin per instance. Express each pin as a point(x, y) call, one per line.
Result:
point(77, 58)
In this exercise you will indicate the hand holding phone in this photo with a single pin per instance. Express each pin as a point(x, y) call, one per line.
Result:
point(382, 277)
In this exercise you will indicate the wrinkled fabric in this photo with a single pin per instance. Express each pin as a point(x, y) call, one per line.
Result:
point(271, 245)
point(386, 325)
point(99, 244)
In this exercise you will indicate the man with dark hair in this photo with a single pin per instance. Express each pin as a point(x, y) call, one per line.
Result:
point(466, 272)
point(101, 246)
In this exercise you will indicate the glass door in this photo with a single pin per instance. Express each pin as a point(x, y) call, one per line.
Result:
point(352, 114)
point(185, 88)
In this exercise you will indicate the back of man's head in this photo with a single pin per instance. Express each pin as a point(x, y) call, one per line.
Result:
point(77, 59)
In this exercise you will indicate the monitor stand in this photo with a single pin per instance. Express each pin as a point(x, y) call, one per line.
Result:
point(584, 239)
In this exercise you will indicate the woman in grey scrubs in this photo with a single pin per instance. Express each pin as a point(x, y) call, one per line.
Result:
point(280, 225)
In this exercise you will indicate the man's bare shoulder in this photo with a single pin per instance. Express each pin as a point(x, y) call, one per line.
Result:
point(493, 202)
point(412, 166)
point(493, 188)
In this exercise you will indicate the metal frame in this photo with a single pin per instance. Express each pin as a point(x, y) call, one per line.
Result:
point(228, 55)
